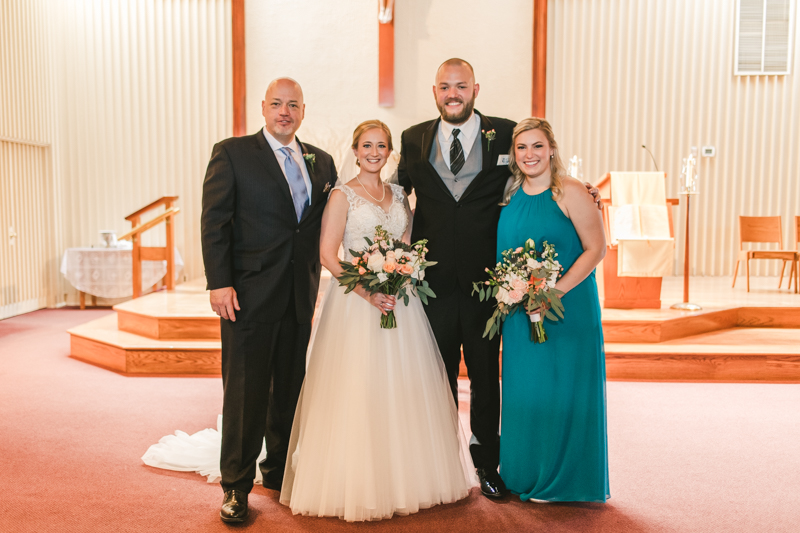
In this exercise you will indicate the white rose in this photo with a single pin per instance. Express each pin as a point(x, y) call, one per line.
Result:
point(533, 263)
point(382, 277)
point(502, 296)
point(398, 253)
point(375, 262)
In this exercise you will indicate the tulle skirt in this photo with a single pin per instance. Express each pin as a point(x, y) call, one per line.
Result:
point(376, 431)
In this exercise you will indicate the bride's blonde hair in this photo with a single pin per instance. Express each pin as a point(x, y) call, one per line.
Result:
point(557, 169)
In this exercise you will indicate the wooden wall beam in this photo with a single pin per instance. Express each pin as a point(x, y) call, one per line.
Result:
point(539, 58)
point(386, 64)
point(239, 89)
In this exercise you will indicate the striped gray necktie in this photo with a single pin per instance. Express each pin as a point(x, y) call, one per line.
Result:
point(296, 182)
point(456, 153)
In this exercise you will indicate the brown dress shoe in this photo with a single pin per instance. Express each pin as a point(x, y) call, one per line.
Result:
point(234, 506)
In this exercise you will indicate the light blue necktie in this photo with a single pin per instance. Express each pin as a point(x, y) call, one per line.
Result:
point(296, 182)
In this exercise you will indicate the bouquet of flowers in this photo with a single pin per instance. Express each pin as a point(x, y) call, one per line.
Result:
point(525, 279)
point(388, 266)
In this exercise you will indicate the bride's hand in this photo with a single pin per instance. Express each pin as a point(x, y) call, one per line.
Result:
point(383, 302)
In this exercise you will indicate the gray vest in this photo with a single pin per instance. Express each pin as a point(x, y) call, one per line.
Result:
point(472, 166)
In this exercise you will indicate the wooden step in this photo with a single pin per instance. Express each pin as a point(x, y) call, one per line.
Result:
point(661, 325)
point(735, 354)
point(170, 315)
point(100, 342)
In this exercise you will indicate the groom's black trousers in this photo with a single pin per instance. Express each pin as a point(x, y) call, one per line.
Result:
point(263, 366)
point(459, 320)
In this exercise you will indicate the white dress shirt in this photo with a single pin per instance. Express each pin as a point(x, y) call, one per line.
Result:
point(469, 130)
point(297, 155)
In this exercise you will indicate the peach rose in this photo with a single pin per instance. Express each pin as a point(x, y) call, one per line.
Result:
point(355, 261)
point(519, 285)
point(406, 269)
point(515, 295)
point(362, 270)
point(389, 267)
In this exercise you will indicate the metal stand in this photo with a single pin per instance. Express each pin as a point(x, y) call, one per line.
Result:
point(690, 188)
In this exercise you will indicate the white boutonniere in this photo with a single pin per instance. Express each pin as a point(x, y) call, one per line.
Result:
point(490, 136)
point(310, 159)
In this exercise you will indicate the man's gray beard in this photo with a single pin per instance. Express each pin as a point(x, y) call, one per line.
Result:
point(461, 117)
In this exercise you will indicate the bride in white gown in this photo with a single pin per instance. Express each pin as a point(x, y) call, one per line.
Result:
point(376, 431)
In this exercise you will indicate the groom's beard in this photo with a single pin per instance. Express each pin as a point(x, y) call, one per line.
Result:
point(456, 118)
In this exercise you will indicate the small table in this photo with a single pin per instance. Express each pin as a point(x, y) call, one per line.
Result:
point(108, 272)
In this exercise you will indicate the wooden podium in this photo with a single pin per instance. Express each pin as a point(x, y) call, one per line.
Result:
point(153, 253)
point(627, 292)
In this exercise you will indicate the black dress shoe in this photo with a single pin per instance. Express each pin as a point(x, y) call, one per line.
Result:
point(234, 506)
point(491, 484)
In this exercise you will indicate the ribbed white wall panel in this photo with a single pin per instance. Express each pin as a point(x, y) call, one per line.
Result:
point(28, 269)
point(144, 92)
point(622, 73)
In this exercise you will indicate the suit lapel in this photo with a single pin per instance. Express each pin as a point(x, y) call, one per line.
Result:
point(313, 175)
point(270, 162)
point(488, 156)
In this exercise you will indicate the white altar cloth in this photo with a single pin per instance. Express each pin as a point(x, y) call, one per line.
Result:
point(108, 272)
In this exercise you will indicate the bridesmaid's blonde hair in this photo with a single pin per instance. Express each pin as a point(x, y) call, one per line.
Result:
point(557, 169)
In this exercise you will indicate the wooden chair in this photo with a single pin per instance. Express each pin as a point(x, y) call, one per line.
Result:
point(795, 272)
point(761, 229)
point(153, 253)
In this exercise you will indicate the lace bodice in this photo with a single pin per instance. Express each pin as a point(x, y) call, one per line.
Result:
point(363, 216)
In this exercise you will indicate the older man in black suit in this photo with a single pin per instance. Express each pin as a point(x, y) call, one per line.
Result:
point(263, 199)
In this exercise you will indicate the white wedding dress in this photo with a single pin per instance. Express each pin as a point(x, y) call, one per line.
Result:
point(376, 431)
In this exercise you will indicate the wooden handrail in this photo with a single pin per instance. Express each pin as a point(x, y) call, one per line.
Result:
point(150, 223)
point(166, 201)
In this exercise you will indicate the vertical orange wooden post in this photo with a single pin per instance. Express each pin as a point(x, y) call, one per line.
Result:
point(239, 89)
point(386, 63)
point(137, 265)
point(539, 58)
point(170, 251)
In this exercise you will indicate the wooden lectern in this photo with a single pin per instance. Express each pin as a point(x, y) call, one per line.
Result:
point(153, 253)
point(627, 292)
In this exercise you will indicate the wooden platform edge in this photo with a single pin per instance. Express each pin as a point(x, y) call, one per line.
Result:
point(654, 331)
point(169, 328)
point(151, 361)
point(703, 368)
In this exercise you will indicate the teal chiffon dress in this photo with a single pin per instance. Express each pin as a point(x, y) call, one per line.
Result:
point(553, 443)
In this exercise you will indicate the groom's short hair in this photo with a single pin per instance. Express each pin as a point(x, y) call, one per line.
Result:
point(456, 62)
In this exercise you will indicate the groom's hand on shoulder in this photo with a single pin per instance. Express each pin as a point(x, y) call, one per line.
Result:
point(595, 194)
point(224, 302)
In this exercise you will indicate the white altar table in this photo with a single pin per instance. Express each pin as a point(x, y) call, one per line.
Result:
point(108, 272)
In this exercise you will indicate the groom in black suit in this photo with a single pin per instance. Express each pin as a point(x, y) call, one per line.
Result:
point(458, 167)
point(263, 198)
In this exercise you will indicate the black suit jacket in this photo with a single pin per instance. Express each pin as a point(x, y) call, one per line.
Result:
point(462, 234)
point(250, 235)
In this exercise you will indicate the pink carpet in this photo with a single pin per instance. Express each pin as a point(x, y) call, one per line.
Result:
point(683, 457)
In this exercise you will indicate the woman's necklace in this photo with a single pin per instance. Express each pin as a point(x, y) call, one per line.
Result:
point(368, 194)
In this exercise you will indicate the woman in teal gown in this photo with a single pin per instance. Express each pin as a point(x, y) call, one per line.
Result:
point(553, 443)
